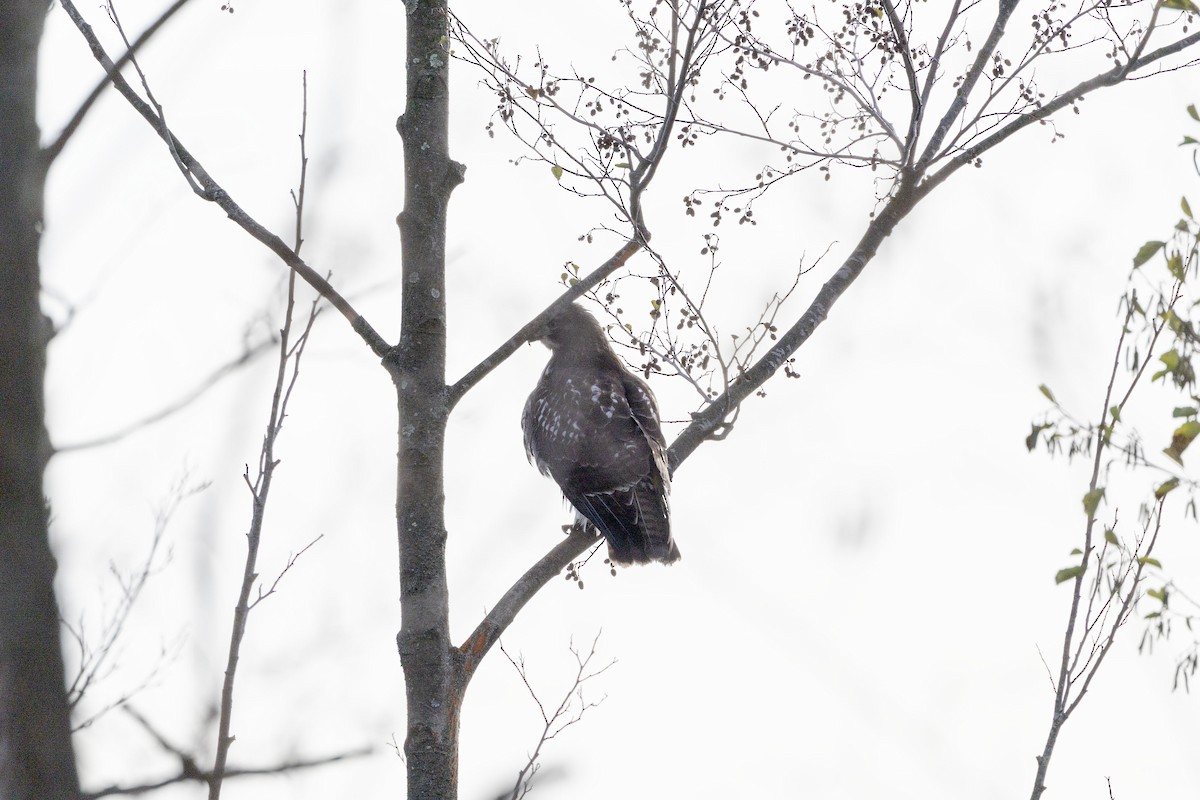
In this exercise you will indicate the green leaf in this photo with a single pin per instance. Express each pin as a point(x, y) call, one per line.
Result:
point(1192, 113)
point(1069, 573)
point(1091, 501)
point(1171, 359)
point(1183, 5)
point(1183, 436)
point(1165, 488)
point(1111, 537)
point(1184, 411)
point(1115, 413)
point(1150, 562)
point(1191, 429)
point(1188, 140)
point(1147, 252)
point(1187, 210)
point(1075, 551)
point(1044, 389)
point(557, 172)
point(1032, 439)
point(1175, 266)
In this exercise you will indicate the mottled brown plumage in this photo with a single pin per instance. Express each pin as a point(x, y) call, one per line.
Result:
point(593, 426)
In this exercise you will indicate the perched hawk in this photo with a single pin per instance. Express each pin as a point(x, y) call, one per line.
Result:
point(593, 427)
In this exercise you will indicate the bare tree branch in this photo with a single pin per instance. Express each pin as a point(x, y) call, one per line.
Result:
point(682, 64)
point(910, 73)
point(52, 150)
point(935, 59)
point(527, 332)
point(569, 710)
point(902, 202)
point(291, 562)
point(201, 388)
point(290, 355)
point(212, 191)
point(291, 765)
point(95, 657)
point(1065, 699)
point(1005, 10)
point(1112, 77)
point(488, 632)
point(190, 771)
point(708, 421)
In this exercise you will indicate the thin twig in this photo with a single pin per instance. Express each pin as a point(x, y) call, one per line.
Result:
point(93, 659)
point(291, 562)
point(1127, 604)
point(52, 150)
point(202, 776)
point(290, 355)
point(959, 104)
point(1099, 628)
point(970, 153)
point(569, 710)
point(201, 388)
point(164, 130)
point(910, 72)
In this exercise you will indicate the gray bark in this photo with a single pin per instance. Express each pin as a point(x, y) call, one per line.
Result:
point(430, 661)
point(36, 759)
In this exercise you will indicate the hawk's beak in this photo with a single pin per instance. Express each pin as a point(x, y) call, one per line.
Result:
point(537, 330)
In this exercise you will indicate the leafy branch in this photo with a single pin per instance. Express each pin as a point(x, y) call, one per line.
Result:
point(1109, 580)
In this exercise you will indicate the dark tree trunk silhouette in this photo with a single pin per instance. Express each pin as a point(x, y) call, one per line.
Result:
point(36, 759)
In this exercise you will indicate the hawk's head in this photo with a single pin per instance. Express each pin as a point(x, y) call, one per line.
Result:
point(572, 328)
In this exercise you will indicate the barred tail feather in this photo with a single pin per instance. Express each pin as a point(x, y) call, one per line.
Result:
point(635, 521)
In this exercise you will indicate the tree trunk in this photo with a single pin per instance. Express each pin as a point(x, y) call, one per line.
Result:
point(36, 760)
point(418, 367)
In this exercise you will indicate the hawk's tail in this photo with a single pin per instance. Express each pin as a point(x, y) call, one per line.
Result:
point(635, 520)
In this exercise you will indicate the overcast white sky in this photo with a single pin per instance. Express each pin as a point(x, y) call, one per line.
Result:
point(868, 558)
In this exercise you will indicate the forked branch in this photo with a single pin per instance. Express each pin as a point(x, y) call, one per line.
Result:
point(569, 710)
